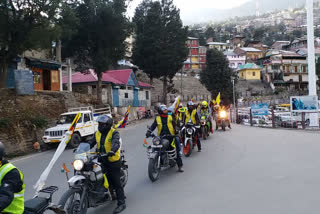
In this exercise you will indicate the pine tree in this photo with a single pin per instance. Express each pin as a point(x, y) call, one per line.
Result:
point(160, 47)
point(216, 77)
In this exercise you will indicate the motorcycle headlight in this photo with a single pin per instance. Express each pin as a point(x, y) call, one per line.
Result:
point(78, 165)
point(189, 131)
point(156, 141)
point(223, 114)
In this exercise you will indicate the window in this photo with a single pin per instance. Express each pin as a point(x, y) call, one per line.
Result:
point(296, 69)
point(126, 95)
point(147, 95)
point(36, 77)
point(304, 69)
point(253, 73)
point(232, 64)
point(239, 64)
point(86, 118)
point(54, 76)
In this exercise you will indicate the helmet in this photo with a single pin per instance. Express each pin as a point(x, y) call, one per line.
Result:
point(190, 105)
point(105, 123)
point(162, 108)
point(204, 104)
point(2, 151)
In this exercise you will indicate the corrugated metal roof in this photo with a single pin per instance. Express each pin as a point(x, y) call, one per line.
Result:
point(249, 49)
point(249, 66)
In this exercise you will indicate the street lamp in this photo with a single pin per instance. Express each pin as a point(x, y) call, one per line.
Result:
point(234, 97)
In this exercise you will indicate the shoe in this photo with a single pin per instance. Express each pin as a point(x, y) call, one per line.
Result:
point(211, 130)
point(199, 150)
point(119, 208)
point(180, 169)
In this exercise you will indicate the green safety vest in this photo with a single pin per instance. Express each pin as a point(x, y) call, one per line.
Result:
point(17, 204)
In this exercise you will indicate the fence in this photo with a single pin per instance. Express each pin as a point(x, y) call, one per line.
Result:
point(273, 120)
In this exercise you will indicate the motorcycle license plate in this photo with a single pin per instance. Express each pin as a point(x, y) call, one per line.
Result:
point(156, 146)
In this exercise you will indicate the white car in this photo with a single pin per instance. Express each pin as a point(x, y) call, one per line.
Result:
point(86, 127)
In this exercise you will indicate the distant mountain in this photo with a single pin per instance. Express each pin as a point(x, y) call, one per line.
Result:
point(247, 9)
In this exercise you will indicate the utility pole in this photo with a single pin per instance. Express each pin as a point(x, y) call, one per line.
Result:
point(314, 122)
point(58, 59)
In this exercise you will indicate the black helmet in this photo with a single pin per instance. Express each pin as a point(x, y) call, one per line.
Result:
point(105, 123)
point(162, 108)
point(190, 105)
point(2, 150)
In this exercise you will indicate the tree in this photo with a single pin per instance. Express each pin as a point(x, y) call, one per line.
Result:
point(160, 47)
point(25, 25)
point(216, 77)
point(210, 32)
point(98, 42)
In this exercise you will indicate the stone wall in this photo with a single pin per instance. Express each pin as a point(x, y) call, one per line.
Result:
point(20, 113)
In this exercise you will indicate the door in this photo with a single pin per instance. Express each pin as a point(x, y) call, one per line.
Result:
point(88, 125)
point(135, 97)
point(115, 97)
point(46, 80)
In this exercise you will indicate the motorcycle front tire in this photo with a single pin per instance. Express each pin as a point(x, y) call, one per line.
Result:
point(153, 170)
point(67, 195)
point(187, 150)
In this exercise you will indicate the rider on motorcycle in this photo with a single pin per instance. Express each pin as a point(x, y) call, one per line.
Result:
point(166, 126)
point(108, 142)
point(191, 113)
point(11, 186)
point(206, 111)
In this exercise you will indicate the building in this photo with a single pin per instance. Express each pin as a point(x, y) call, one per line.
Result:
point(249, 71)
point(285, 69)
point(238, 41)
point(258, 45)
point(221, 46)
point(252, 54)
point(197, 55)
point(234, 59)
point(278, 45)
point(45, 73)
point(120, 88)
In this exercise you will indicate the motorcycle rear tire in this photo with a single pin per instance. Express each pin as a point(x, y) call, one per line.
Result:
point(124, 176)
point(153, 171)
point(187, 150)
point(67, 195)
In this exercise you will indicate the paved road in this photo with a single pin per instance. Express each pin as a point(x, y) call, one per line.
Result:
point(245, 170)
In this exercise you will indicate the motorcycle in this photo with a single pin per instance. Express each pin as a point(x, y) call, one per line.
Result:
point(205, 127)
point(190, 138)
point(41, 204)
point(222, 120)
point(89, 187)
point(161, 154)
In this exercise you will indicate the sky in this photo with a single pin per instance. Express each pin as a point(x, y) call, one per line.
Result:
point(186, 6)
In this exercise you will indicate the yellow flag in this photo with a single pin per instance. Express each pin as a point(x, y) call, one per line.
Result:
point(218, 99)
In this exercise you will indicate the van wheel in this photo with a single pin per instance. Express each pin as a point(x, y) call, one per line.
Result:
point(75, 140)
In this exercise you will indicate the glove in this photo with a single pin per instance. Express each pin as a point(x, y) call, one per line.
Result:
point(148, 134)
point(110, 154)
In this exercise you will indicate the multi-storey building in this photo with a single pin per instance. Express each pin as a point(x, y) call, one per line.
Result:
point(197, 55)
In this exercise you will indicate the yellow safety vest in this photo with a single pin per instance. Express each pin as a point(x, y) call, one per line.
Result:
point(108, 145)
point(17, 204)
point(169, 124)
point(193, 116)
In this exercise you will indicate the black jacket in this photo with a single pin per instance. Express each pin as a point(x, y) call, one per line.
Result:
point(165, 129)
point(11, 183)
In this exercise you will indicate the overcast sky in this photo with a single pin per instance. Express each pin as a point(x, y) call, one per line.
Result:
point(186, 6)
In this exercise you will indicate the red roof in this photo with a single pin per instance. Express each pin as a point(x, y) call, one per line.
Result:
point(116, 77)
point(144, 85)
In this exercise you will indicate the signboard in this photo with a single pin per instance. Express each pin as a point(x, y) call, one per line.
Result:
point(304, 104)
point(259, 109)
point(24, 81)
